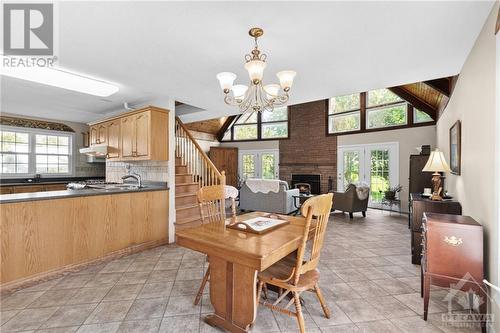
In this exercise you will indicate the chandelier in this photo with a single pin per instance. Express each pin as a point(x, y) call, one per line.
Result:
point(257, 97)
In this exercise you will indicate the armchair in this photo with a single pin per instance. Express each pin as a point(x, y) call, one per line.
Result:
point(349, 201)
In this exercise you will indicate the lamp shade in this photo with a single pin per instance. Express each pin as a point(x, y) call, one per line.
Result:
point(436, 162)
point(239, 91)
point(226, 80)
point(286, 79)
point(255, 69)
point(272, 90)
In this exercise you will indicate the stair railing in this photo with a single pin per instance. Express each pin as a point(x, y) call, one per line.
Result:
point(198, 164)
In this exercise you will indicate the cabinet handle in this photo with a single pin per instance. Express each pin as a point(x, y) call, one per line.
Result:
point(453, 240)
point(107, 155)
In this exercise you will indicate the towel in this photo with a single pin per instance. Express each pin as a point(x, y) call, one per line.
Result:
point(263, 185)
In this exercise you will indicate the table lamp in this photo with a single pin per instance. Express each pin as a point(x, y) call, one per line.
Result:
point(436, 163)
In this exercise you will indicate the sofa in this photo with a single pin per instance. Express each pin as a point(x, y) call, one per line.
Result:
point(353, 200)
point(281, 202)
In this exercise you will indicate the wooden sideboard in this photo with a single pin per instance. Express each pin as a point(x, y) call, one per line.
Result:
point(452, 255)
point(137, 135)
point(418, 206)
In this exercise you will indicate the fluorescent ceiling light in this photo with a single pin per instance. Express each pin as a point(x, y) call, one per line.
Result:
point(62, 79)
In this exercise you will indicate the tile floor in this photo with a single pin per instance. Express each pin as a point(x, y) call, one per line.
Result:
point(366, 277)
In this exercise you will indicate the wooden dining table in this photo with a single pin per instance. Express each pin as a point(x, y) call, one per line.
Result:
point(235, 258)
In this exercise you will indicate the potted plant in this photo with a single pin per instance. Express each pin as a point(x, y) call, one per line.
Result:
point(390, 194)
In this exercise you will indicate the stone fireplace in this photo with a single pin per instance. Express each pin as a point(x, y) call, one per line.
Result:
point(309, 150)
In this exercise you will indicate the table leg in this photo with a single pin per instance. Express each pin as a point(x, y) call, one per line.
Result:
point(233, 295)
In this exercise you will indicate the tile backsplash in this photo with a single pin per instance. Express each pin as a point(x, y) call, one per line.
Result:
point(149, 170)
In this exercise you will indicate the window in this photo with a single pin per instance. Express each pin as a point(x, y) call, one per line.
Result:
point(344, 113)
point(275, 124)
point(421, 117)
point(393, 115)
point(14, 152)
point(272, 125)
point(52, 154)
point(381, 96)
point(26, 152)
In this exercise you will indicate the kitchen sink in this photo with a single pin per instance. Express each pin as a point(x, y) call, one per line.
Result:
point(115, 187)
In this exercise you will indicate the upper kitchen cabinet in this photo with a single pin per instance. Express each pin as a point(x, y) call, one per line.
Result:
point(137, 135)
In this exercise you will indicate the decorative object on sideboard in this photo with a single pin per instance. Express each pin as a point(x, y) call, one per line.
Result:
point(257, 97)
point(33, 123)
point(455, 147)
point(436, 163)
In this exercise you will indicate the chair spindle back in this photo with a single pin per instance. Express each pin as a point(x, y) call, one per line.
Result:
point(212, 204)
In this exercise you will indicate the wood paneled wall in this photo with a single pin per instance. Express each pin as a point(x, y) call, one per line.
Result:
point(39, 237)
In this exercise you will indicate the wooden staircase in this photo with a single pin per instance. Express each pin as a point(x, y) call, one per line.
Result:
point(193, 169)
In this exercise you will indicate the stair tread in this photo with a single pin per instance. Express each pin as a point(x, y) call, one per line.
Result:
point(183, 195)
point(188, 220)
point(185, 184)
point(187, 206)
point(183, 174)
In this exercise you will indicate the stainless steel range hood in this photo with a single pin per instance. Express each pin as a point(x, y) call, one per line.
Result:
point(95, 153)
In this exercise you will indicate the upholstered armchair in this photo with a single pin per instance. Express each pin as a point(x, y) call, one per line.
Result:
point(353, 200)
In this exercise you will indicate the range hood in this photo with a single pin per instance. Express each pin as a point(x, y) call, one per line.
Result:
point(95, 153)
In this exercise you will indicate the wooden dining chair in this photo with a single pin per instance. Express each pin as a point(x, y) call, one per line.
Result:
point(212, 202)
point(296, 274)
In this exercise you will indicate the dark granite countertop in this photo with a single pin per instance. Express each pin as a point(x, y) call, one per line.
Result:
point(41, 181)
point(51, 195)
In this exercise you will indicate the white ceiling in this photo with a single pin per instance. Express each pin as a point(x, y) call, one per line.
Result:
point(159, 50)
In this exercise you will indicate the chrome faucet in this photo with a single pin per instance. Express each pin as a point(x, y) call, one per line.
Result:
point(135, 176)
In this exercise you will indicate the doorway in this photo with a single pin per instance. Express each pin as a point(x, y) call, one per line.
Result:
point(376, 165)
point(259, 164)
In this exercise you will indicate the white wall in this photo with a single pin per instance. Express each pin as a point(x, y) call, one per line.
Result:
point(409, 139)
point(253, 145)
point(473, 103)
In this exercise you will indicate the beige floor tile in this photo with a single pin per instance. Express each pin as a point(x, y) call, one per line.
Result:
point(415, 324)
point(140, 326)
point(6, 315)
point(163, 265)
point(74, 315)
point(89, 295)
point(288, 323)
point(153, 290)
point(189, 274)
point(416, 303)
point(117, 266)
point(100, 328)
point(181, 305)
point(107, 312)
point(390, 307)
point(29, 319)
point(162, 276)
point(147, 308)
point(124, 292)
point(187, 287)
point(19, 300)
point(350, 274)
point(142, 266)
point(43, 286)
point(73, 281)
point(368, 288)
point(54, 298)
point(379, 326)
point(347, 328)
point(133, 278)
point(360, 310)
point(67, 329)
point(394, 286)
point(186, 323)
point(104, 280)
point(339, 291)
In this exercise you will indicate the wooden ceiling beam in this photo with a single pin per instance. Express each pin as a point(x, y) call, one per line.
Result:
point(415, 101)
point(442, 85)
point(224, 127)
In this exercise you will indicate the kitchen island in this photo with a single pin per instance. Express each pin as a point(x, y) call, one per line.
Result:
point(44, 234)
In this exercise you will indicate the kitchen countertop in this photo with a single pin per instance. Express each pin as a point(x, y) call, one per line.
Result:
point(44, 181)
point(50, 195)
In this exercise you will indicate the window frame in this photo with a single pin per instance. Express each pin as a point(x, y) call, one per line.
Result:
point(32, 132)
point(364, 113)
point(259, 128)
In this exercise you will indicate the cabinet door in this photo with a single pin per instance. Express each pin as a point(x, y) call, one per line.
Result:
point(142, 134)
point(5, 189)
point(28, 188)
point(113, 139)
point(127, 135)
point(55, 187)
point(102, 131)
point(94, 135)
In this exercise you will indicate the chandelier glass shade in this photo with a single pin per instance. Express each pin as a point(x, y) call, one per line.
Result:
point(256, 97)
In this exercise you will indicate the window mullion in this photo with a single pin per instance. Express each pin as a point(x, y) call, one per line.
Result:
point(32, 154)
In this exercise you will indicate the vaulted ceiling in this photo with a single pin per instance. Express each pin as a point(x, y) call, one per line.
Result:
point(157, 51)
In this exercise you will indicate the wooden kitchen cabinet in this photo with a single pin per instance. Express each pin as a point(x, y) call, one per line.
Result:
point(113, 130)
point(94, 135)
point(137, 135)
